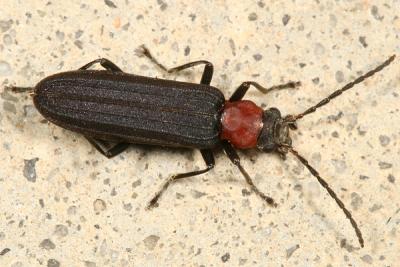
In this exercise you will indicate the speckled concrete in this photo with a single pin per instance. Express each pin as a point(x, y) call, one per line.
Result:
point(64, 204)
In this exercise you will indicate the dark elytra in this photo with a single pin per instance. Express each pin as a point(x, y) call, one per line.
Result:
point(121, 107)
point(113, 109)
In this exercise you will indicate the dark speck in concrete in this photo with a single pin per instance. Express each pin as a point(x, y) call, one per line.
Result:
point(47, 244)
point(136, 183)
point(99, 205)
point(352, 121)
point(60, 35)
point(362, 40)
point(61, 230)
point(90, 264)
point(187, 50)
point(9, 107)
point(340, 165)
point(339, 76)
point(245, 192)
point(127, 207)
point(375, 207)
point(391, 178)
point(78, 34)
point(361, 131)
point(225, 257)
point(285, 19)
point(356, 201)
point(252, 16)
point(78, 44)
point(375, 13)
point(41, 13)
point(113, 192)
point(335, 134)
point(197, 194)
point(125, 27)
point(110, 3)
point(257, 57)
point(232, 45)
point(344, 244)
point(385, 165)
point(5, 25)
point(192, 16)
point(242, 262)
point(363, 177)
point(29, 169)
point(384, 140)
point(53, 263)
point(151, 241)
point(367, 259)
point(319, 49)
point(7, 39)
point(315, 80)
point(162, 4)
point(291, 250)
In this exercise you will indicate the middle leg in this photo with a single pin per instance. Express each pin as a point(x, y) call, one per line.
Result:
point(210, 162)
point(108, 149)
point(208, 66)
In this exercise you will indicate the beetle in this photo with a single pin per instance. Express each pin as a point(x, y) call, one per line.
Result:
point(113, 109)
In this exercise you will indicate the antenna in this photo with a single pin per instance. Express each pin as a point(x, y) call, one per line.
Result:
point(331, 193)
point(323, 102)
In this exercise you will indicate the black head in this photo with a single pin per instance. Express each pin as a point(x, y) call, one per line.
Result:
point(275, 134)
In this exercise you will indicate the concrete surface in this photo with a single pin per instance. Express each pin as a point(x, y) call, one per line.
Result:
point(64, 204)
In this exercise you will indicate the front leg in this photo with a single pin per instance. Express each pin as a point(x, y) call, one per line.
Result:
point(105, 63)
point(234, 157)
point(242, 89)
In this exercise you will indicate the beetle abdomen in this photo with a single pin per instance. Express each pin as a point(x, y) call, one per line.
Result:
point(125, 107)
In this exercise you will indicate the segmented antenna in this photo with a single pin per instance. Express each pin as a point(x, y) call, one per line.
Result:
point(331, 193)
point(293, 118)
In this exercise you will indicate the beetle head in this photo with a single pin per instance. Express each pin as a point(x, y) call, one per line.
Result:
point(275, 134)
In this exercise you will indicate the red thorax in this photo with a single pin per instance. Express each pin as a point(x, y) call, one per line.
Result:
point(241, 123)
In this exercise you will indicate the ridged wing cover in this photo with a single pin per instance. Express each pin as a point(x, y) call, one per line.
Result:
point(124, 107)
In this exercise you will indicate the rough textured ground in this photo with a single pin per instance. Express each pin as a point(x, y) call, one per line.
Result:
point(64, 204)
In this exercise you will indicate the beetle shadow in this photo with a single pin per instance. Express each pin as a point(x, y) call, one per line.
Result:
point(326, 221)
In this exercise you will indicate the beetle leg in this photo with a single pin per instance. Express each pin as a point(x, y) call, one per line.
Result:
point(242, 89)
point(234, 157)
point(105, 63)
point(208, 66)
point(210, 162)
point(108, 149)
